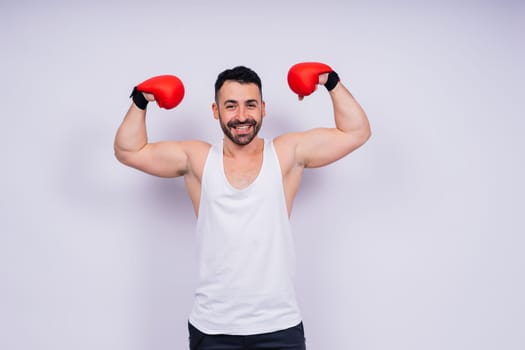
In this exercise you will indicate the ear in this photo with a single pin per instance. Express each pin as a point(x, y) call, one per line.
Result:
point(263, 109)
point(215, 110)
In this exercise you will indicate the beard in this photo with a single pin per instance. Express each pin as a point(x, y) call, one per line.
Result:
point(243, 138)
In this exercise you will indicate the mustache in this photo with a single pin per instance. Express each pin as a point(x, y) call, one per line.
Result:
point(236, 123)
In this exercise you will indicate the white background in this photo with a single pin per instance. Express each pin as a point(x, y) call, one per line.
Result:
point(415, 241)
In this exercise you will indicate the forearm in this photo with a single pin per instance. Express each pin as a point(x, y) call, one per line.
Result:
point(349, 116)
point(131, 135)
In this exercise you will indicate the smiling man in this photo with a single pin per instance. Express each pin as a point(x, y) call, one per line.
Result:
point(242, 190)
point(239, 114)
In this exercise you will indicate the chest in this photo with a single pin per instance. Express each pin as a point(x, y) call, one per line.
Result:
point(241, 172)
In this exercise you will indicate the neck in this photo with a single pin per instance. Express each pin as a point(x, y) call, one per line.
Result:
point(233, 150)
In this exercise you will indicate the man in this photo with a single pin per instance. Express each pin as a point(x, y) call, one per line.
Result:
point(242, 190)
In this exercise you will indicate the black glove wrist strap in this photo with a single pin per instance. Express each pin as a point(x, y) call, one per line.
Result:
point(332, 81)
point(139, 99)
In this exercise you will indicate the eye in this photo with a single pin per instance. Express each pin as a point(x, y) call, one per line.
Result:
point(230, 106)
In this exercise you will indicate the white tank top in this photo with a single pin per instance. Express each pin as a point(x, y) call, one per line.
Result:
point(245, 251)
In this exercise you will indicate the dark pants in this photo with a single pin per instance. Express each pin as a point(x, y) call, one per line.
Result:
point(287, 339)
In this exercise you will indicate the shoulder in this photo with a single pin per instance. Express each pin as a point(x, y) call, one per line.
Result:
point(288, 141)
point(197, 153)
point(286, 148)
point(196, 147)
point(196, 150)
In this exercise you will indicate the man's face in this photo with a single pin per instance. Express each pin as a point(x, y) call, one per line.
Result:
point(240, 110)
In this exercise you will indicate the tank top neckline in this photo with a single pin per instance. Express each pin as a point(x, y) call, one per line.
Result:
point(223, 171)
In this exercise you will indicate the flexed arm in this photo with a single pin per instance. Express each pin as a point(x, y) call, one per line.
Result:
point(165, 159)
point(322, 146)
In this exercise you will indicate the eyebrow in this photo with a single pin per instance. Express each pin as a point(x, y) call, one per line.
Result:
point(253, 100)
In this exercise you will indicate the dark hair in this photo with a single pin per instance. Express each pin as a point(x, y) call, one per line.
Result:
point(239, 74)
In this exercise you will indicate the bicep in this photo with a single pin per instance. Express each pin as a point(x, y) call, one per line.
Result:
point(163, 159)
point(322, 146)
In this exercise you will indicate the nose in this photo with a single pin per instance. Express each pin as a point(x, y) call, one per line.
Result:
point(242, 113)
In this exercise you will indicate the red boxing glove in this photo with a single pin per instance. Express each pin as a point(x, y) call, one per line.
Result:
point(304, 77)
point(167, 89)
